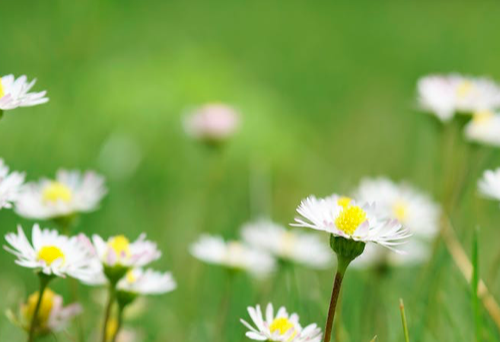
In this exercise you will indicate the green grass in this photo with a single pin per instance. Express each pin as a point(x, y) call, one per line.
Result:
point(327, 92)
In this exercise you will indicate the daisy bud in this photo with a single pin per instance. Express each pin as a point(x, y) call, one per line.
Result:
point(346, 249)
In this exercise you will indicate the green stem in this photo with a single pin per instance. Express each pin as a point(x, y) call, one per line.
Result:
point(120, 322)
point(337, 284)
point(403, 319)
point(44, 281)
point(107, 312)
point(224, 306)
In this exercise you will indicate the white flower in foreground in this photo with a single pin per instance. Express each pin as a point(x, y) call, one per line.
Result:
point(282, 327)
point(212, 122)
point(70, 193)
point(147, 282)
point(343, 217)
point(10, 185)
point(15, 93)
point(52, 316)
point(489, 185)
point(445, 95)
point(232, 254)
point(295, 246)
point(484, 128)
point(52, 254)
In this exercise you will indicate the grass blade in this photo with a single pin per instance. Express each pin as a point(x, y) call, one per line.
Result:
point(403, 319)
point(475, 285)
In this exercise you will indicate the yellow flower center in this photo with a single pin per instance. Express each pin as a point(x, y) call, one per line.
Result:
point(482, 116)
point(45, 310)
point(131, 278)
point(400, 210)
point(282, 325)
point(49, 254)
point(464, 89)
point(111, 328)
point(120, 245)
point(56, 192)
point(288, 241)
point(2, 91)
point(344, 201)
point(350, 218)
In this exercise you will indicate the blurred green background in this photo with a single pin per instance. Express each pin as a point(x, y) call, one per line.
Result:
point(327, 96)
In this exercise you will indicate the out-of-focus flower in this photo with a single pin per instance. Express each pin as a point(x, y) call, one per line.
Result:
point(294, 246)
point(52, 315)
point(120, 156)
point(147, 282)
point(212, 123)
point(489, 184)
point(343, 217)
point(445, 95)
point(281, 327)
point(15, 93)
point(484, 128)
point(232, 254)
point(69, 194)
point(52, 254)
point(10, 185)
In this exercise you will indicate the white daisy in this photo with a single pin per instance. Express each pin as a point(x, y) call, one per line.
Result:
point(484, 128)
point(147, 282)
point(52, 315)
point(70, 193)
point(232, 254)
point(212, 122)
point(285, 244)
point(10, 185)
point(282, 327)
point(343, 217)
point(489, 185)
point(445, 95)
point(15, 93)
point(52, 254)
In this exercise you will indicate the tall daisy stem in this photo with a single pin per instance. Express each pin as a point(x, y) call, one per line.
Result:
point(337, 284)
point(44, 281)
point(107, 312)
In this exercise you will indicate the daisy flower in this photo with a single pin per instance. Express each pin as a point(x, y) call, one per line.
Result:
point(484, 128)
point(212, 122)
point(232, 254)
point(10, 185)
point(52, 254)
point(281, 327)
point(343, 217)
point(15, 93)
point(295, 246)
point(52, 315)
point(147, 282)
point(489, 185)
point(70, 193)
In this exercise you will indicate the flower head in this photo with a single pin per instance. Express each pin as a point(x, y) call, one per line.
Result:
point(212, 122)
point(489, 184)
point(15, 93)
point(281, 327)
point(70, 193)
point(10, 185)
point(291, 245)
point(52, 254)
point(147, 282)
point(232, 254)
point(484, 128)
point(343, 217)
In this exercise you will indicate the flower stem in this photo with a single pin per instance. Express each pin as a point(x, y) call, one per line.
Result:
point(339, 276)
point(44, 281)
point(107, 312)
point(120, 322)
point(403, 320)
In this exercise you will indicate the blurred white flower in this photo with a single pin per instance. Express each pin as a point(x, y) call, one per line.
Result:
point(288, 245)
point(489, 184)
point(343, 217)
point(484, 128)
point(212, 123)
point(10, 185)
point(70, 193)
point(15, 93)
point(445, 95)
point(232, 254)
point(147, 282)
point(281, 327)
point(52, 254)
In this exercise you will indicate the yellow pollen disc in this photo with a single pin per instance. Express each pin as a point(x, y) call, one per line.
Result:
point(464, 89)
point(111, 328)
point(2, 91)
point(400, 210)
point(344, 201)
point(49, 254)
point(350, 218)
point(120, 245)
point(45, 310)
point(56, 192)
point(288, 242)
point(282, 325)
point(131, 278)
point(482, 116)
